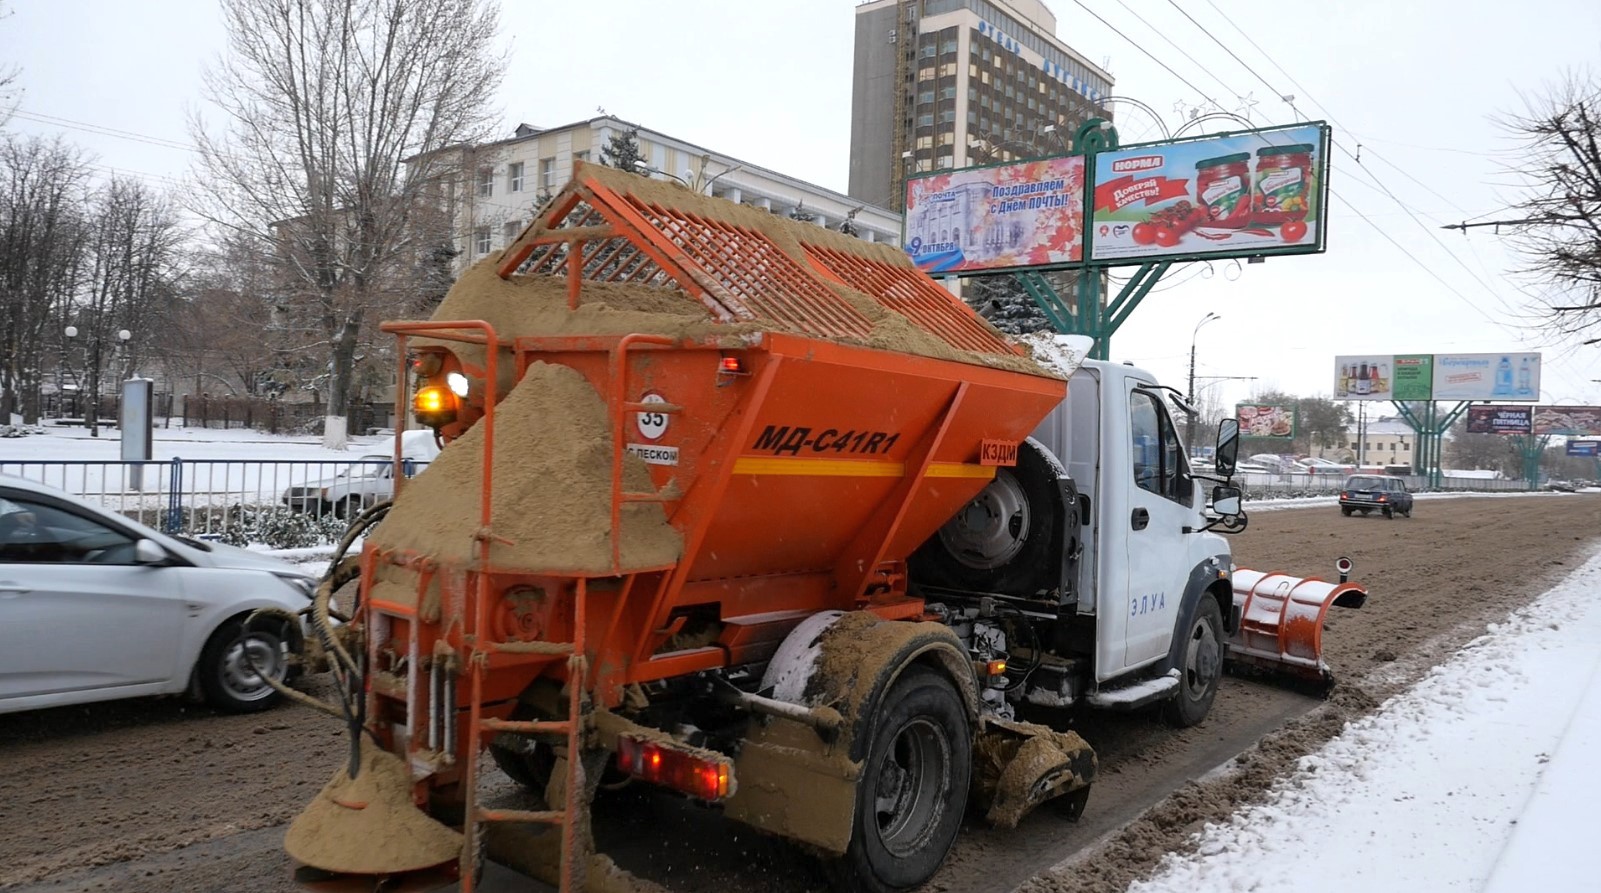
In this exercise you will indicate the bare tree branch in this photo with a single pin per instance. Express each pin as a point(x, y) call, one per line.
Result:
point(325, 105)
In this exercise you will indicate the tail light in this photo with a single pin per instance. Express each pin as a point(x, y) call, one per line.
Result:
point(709, 778)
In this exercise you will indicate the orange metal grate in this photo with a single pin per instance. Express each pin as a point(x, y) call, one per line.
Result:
point(913, 295)
point(737, 272)
point(757, 274)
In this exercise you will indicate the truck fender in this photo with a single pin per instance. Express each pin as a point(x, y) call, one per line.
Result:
point(793, 782)
point(1205, 580)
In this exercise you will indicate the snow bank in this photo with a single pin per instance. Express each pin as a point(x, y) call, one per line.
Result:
point(1430, 791)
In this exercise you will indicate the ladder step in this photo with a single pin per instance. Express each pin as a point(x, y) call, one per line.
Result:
point(540, 817)
point(520, 727)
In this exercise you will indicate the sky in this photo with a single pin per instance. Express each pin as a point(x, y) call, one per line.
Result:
point(1414, 89)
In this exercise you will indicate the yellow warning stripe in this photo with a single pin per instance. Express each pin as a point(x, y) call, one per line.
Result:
point(872, 468)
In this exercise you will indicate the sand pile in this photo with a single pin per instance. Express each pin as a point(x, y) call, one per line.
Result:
point(368, 825)
point(552, 488)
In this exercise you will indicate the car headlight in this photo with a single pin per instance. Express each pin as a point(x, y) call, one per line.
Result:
point(304, 585)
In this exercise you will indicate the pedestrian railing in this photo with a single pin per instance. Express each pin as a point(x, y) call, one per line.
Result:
point(294, 503)
point(279, 502)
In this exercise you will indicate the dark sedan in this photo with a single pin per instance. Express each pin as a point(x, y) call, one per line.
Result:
point(1369, 492)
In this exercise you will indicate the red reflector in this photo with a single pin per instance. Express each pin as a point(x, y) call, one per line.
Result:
point(706, 778)
point(731, 366)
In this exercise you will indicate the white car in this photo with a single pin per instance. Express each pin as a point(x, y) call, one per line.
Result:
point(366, 482)
point(94, 607)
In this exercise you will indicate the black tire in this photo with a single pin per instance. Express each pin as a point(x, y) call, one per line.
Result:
point(1003, 540)
point(524, 760)
point(1389, 513)
point(234, 657)
point(913, 786)
point(1345, 510)
point(1200, 664)
point(348, 508)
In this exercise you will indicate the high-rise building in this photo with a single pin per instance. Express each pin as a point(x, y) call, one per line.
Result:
point(951, 83)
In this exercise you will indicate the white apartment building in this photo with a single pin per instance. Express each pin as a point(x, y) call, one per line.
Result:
point(508, 179)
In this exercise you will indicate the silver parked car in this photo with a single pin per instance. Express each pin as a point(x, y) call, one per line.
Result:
point(94, 606)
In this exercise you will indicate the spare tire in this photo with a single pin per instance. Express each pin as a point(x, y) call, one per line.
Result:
point(1007, 539)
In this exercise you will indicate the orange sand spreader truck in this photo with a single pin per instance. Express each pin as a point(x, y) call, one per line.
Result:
point(756, 512)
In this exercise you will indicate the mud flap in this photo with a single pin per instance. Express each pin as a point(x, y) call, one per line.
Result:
point(1280, 628)
point(1018, 765)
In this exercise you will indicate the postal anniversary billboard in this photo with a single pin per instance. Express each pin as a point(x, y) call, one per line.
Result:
point(1028, 214)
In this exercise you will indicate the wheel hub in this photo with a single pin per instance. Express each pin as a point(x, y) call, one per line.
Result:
point(990, 531)
point(908, 797)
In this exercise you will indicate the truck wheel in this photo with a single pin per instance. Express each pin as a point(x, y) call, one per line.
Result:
point(1001, 541)
point(1345, 510)
point(913, 786)
point(1201, 668)
point(524, 760)
point(234, 660)
point(348, 508)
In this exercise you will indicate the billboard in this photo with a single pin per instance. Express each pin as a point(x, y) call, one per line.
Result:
point(1500, 419)
point(1027, 214)
point(1239, 194)
point(1443, 376)
point(1587, 448)
point(1487, 376)
point(1262, 420)
point(1576, 421)
point(1383, 377)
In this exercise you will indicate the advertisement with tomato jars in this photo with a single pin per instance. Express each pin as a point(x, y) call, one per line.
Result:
point(1027, 214)
point(1241, 194)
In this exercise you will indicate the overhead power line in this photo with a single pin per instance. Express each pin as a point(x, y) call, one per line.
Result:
point(1355, 156)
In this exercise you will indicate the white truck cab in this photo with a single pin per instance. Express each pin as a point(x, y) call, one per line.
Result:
point(1105, 538)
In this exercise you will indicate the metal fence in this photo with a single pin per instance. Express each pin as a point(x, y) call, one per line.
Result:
point(1276, 486)
point(281, 503)
point(294, 503)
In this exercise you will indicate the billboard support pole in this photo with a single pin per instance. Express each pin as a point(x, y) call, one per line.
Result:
point(1087, 317)
point(1430, 431)
point(1531, 449)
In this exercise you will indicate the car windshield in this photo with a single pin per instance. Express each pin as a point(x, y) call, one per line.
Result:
point(368, 466)
point(1364, 482)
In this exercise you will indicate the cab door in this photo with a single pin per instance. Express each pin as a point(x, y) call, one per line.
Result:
point(1161, 501)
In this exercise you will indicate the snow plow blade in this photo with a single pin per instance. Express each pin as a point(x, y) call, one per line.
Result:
point(1280, 627)
point(1019, 765)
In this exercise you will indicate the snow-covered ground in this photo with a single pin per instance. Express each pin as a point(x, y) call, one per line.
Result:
point(1482, 777)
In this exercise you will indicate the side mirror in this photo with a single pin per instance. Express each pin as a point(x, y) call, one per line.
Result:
point(147, 552)
point(1228, 446)
point(1226, 501)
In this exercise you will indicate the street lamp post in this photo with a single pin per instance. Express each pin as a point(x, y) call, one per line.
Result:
point(641, 167)
point(1189, 425)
